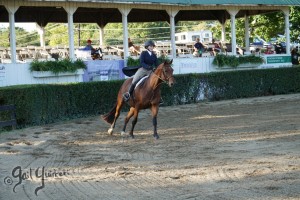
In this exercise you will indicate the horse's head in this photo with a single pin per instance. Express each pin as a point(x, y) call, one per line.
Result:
point(165, 73)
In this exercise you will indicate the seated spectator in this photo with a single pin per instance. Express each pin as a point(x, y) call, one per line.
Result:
point(198, 48)
point(295, 56)
point(216, 49)
point(257, 52)
point(96, 54)
point(89, 46)
point(269, 50)
point(222, 49)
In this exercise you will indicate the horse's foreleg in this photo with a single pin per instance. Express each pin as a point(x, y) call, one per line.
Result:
point(127, 118)
point(154, 111)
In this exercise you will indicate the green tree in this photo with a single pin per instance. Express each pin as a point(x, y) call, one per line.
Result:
point(4, 37)
point(295, 23)
point(23, 37)
point(56, 34)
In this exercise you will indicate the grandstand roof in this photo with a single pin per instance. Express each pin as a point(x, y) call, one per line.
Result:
point(108, 11)
point(192, 2)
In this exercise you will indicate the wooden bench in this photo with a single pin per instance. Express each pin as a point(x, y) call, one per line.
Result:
point(12, 121)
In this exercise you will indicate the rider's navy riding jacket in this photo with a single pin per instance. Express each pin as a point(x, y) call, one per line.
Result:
point(148, 62)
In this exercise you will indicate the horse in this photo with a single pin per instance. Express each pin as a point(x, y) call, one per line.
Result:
point(145, 95)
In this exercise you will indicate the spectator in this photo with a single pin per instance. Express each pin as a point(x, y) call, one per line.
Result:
point(96, 54)
point(89, 46)
point(295, 56)
point(269, 50)
point(215, 49)
point(198, 48)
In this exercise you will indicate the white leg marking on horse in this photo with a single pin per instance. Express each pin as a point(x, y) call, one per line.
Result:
point(110, 131)
point(123, 133)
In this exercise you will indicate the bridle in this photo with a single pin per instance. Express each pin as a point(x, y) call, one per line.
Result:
point(166, 78)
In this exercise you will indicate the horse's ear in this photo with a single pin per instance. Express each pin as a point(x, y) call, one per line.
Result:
point(168, 62)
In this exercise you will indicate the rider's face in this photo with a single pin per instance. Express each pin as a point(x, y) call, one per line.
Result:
point(150, 48)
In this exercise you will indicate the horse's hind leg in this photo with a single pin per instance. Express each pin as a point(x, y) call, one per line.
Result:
point(117, 114)
point(134, 121)
point(127, 118)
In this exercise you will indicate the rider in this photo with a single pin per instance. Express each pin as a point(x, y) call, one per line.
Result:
point(148, 61)
point(94, 52)
point(89, 46)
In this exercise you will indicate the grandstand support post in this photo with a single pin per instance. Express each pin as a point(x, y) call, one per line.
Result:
point(125, 11)
point(172, 13)
point(11, 8)
point(223, 31)
point(286, 12)
point(233, 12)
point(247, 33)
point(101, 35)
point(71, 10)
point(41, 31)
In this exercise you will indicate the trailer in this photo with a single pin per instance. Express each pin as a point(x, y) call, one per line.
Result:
point(205, 36)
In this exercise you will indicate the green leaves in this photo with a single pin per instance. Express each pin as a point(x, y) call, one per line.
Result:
point(56, 67)
point(132, 62)
point(222, 60)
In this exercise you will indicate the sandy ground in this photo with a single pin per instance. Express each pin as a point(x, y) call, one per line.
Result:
point(236, 149)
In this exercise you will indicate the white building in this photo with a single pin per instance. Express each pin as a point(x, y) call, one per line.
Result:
point(205, 36)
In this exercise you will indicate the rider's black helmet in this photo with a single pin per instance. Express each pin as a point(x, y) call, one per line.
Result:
point(149, 43)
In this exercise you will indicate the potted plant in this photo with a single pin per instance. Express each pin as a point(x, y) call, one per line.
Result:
point(63, 67)
point(222, 60)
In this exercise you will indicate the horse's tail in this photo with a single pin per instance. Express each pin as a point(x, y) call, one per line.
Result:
point(110, 116)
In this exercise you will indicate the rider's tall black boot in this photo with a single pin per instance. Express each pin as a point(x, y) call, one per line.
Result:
point(128, 94)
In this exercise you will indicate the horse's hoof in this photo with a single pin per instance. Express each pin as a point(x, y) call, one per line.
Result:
point(123, 133)
point(110, 131)
point(156, 136)
point(132, 136)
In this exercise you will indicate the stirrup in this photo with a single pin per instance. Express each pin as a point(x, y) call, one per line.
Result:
point(126, 96)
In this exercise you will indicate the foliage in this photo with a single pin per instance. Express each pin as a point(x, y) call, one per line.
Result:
point(23, 38)
point(295, 23)
point(222, 60)
point(267, 26)
point(133, 62)
point(57, 35)
point(56, 67)
point(46, 103)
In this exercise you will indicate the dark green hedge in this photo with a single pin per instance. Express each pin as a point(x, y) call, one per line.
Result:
point(233, 84)
point(43, 104)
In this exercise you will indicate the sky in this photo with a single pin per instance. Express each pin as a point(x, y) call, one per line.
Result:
point(26, 26)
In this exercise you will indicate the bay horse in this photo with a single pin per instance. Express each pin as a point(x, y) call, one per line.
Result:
point(145, 95)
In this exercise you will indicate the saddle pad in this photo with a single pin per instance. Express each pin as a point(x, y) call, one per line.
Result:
point(141, 81)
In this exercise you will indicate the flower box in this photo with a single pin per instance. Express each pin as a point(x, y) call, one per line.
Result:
point(46, 74)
